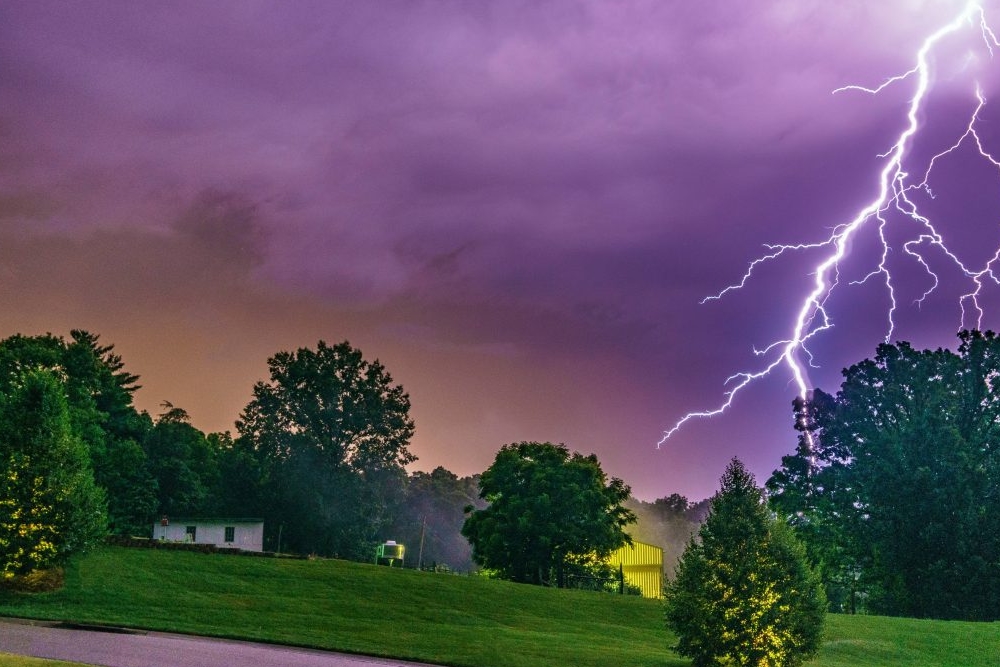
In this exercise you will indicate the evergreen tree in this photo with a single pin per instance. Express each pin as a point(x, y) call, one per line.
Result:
point(101, 391)
point(744, 593)
point(99, 400)
point(50, 506)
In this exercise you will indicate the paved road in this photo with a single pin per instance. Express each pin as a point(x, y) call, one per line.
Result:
point(156, 649)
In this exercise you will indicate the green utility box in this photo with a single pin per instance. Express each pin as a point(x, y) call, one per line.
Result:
point(389, 554)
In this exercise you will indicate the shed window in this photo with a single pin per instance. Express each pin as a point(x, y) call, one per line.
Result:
point(191, 532)
point(230, 533)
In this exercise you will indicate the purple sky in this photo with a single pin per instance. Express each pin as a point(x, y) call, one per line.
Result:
point(516, 206)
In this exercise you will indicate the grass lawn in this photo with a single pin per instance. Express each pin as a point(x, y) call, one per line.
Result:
point(877, 641)
point(465, 621)
point(354, 607)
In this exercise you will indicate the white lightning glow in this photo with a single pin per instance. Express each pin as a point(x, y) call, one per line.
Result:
point(895, 187)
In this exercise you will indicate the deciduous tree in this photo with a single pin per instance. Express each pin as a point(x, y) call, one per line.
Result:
point(894, 484)
point(331, 432)
point(550, 513)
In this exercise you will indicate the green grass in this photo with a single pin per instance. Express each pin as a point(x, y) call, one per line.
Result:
point(876, 641)
point(354, 607)
point(466, 621)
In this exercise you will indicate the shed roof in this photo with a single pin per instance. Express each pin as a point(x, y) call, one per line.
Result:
point(211, 519)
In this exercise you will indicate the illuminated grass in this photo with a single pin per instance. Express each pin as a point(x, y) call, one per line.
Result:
point(465, 621)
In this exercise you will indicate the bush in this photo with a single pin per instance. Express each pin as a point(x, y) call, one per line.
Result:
point(36, 581)
point(744, 593)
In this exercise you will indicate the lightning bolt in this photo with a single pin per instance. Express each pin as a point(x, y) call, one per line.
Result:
point(897, 191)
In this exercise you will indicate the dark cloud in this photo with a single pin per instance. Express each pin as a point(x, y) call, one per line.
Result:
point(224, 227)
point(517, 206)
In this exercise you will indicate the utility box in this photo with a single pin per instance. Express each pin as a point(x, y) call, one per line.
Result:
point(390, 554)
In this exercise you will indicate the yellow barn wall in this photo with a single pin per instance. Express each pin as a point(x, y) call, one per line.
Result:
point(642, 567)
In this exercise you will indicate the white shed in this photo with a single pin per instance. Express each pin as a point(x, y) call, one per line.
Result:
point(246, 534)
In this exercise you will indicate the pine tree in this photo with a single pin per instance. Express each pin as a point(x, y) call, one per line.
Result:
point(49, 504)
point(744, 593)
point(99, 398)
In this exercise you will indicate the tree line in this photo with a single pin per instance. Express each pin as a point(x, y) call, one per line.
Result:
point(893, 487)
point(319, 454)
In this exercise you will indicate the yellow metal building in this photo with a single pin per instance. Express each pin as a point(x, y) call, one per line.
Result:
point(642, 567)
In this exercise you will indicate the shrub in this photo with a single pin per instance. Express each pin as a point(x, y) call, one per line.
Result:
point(36, 581)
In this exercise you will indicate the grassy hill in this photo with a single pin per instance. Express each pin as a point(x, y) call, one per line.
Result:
point(465, 621)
